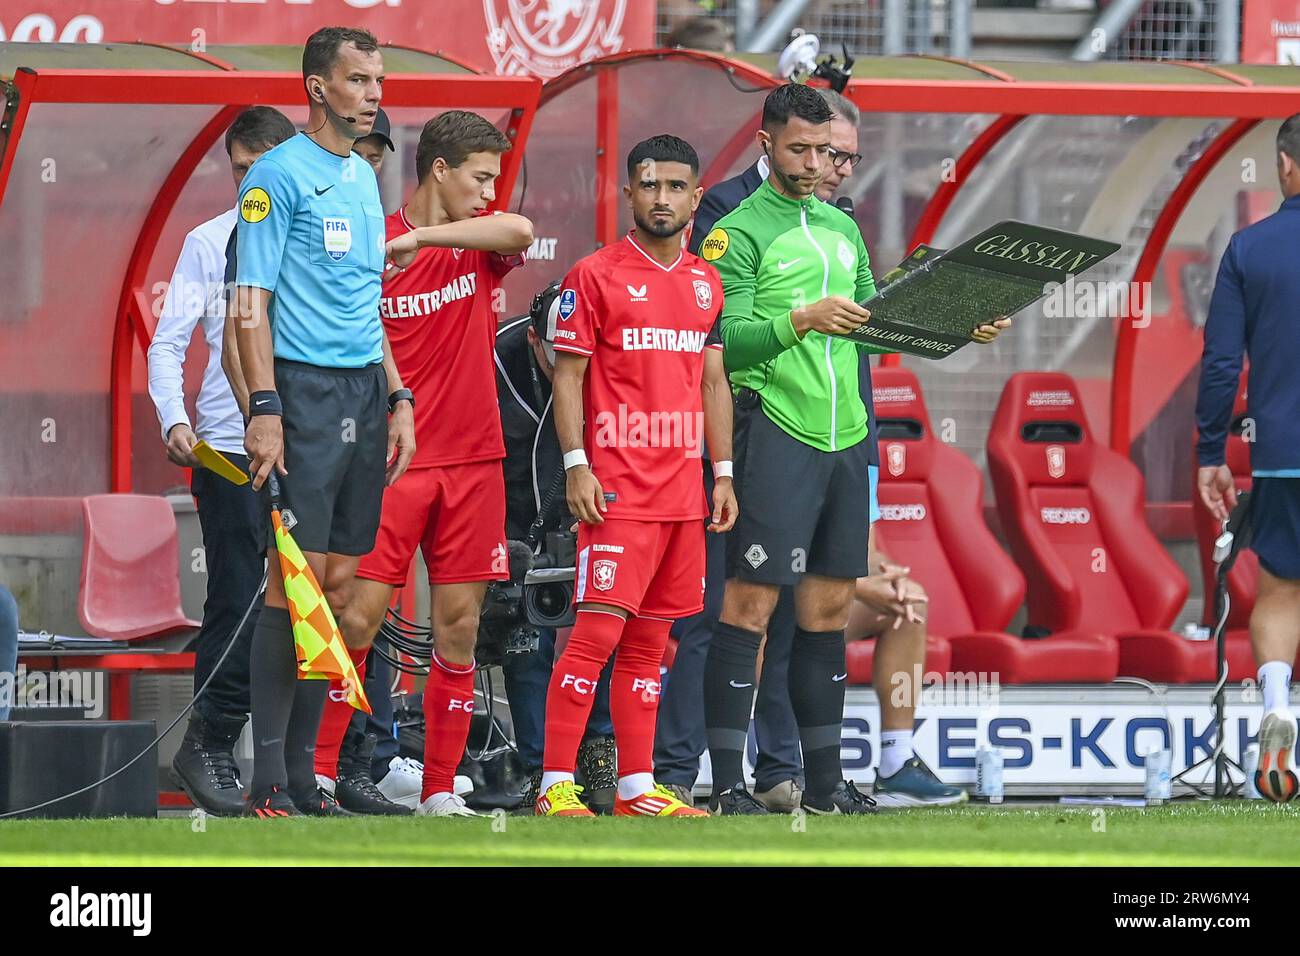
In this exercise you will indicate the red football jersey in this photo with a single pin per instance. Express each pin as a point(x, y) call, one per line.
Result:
point(645, 327)
point(441, 326)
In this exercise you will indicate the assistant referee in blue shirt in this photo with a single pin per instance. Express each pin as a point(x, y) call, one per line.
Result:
point(321, 384)
point(1255, 309)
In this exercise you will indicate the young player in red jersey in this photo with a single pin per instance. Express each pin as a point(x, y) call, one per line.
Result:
point(639, 382)
point(437, 305)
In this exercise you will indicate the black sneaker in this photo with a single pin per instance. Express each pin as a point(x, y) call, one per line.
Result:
point(597, 769)
point(682, 792)
point(271, 803)
point(355, 789)
point(204, 766)
point(356, 792)
point(736, 802)
point(845, 798)
point(322, 804)
point(532, 790)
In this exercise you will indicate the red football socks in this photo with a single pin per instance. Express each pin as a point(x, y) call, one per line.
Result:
point(634, 693)
point(448, 708)
point(573, 685)
point(334, 721)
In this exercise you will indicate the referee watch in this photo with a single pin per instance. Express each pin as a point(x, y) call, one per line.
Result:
point(401, 395)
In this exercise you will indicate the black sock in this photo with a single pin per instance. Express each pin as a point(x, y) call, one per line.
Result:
point(728, 701)
point(817, 696)
point(300, 738)
point(272, 665)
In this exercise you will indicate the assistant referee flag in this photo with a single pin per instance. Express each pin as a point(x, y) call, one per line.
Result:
point(317, 642)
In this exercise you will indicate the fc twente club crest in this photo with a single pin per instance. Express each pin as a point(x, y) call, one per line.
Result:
point(602, 574)
point(547, 37)
point(1056, 461)
point(703, 294)
point(896, 455)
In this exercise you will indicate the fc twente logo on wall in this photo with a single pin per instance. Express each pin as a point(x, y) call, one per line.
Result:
point(547, 37)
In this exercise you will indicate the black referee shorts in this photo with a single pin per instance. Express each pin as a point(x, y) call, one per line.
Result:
point(335, 446)
point(801, 509)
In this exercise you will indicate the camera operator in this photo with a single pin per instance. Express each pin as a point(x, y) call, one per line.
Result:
point(525, 362)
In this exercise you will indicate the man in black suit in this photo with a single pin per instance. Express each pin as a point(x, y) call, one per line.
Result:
point(725, 196)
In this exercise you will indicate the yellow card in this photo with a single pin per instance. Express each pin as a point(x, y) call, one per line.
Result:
point(213, 460)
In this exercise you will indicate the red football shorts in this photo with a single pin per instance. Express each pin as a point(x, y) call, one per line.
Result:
point(653, 568)
point(455, 514)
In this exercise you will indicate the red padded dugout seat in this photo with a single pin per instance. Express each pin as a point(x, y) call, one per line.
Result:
point(931, 502)
point(861, 657)
point(670, 654)
point(1072, 511)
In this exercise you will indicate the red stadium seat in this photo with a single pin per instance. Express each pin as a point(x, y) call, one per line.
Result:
point(670, 654)
point(862, 655)
point(1072, 511)
point(130, 573)
point(931, 500)
point(1245, 572)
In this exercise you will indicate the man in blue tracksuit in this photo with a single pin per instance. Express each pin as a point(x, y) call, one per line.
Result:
point(1256, 310)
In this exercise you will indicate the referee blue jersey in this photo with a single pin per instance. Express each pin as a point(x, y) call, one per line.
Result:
point(311, 231)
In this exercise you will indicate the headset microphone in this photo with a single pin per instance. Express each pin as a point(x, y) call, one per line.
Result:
point(787, 182)
point(320, 95)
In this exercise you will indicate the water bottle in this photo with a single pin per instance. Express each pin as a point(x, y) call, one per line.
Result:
point(1249, 764)
point(988, 774)
point(1159, 785)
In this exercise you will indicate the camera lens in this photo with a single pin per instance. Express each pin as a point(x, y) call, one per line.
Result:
point(550, 604)
point(552, 600)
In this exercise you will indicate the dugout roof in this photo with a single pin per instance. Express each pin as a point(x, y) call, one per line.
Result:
point(1167, 158)
point(111, 153)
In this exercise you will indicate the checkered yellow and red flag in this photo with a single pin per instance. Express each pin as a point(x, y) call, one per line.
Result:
point(321, 652)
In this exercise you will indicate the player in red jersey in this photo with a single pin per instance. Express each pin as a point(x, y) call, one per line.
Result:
point(639, 382)
point(447, 260)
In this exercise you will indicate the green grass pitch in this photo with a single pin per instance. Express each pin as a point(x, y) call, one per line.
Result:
point(1205, 834)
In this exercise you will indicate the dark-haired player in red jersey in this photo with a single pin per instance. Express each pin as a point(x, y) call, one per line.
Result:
point(639, 382)
point(447, 260)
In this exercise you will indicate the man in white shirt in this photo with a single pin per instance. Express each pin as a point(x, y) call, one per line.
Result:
point(233, 526)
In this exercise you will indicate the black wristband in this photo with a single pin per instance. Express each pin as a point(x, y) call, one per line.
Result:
point(266, 402)
point(400, 395)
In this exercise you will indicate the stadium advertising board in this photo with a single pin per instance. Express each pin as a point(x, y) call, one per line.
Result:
point(1054, 740)
point(1270, 31)
point(539, 37)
